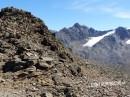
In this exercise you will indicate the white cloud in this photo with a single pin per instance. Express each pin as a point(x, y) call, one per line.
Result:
point(81, 6)
point(117, 12)
point(110, 8)
point(87, 5)
point(123, 15)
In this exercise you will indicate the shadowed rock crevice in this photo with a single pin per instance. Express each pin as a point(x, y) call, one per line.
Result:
point(12, 66)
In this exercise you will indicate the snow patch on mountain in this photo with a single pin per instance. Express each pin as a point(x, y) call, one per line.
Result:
point(94, 40)
point(128, 41)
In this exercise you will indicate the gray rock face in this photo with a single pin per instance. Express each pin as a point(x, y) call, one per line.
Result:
point(111, 50)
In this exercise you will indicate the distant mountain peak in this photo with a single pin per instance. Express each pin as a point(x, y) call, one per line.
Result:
point(100, 46)
point(120, 28)
point(76, 25)
point(122, 33)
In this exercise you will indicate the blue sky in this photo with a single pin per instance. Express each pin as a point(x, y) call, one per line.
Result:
point(99, 14)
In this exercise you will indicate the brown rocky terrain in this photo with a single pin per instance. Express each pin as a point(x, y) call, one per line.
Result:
point(35, 64)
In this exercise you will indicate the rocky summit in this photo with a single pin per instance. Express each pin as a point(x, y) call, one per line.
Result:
point(33, 63)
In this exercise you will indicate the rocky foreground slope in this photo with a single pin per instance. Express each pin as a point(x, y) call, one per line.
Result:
point(34, 64)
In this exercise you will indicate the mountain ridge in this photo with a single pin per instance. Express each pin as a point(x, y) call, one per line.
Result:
point(98, 46)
